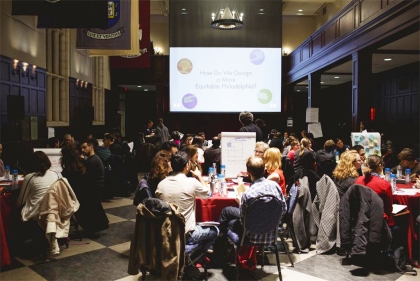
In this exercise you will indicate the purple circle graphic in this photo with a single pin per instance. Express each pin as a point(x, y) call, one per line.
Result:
point(257, 57)
point(189, 101)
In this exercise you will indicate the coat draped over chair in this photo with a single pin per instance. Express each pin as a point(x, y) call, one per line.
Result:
point(158, 243)
point(326, 216)
point(56, 209)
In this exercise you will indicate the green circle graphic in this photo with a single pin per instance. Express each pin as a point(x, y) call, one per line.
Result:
point(265, 96)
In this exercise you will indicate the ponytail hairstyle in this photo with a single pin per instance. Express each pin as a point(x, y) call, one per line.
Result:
point(303, 144)
point(373, 163)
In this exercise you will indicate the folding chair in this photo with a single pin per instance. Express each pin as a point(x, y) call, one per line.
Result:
point(261, 216)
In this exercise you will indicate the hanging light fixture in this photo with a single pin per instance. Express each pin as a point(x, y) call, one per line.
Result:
point(227, 19)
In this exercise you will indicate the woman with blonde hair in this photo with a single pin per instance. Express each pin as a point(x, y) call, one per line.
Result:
point(345, 173)
point(381, 187)
point(272, 160)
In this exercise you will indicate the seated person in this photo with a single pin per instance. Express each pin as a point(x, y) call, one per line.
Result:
point(212, 155)
point(182, 190)
point(340, 147)
point(345, 173)
point(361, 150)
point(408, 160)
point(381, 187)
point(272, 162)
point(304, 157)
point(35, 185)
point(325, 159)
point(231, 217)
point(260, 148)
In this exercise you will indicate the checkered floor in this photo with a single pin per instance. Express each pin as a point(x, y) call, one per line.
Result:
point(106, 258)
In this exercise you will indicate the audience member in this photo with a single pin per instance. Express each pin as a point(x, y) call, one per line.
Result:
point(53, 143)
point(260, 148)
point(198, 142)
point(94, 183)
point(182, 191)
point(176, 138)
point(345, 173)
point(67, 140)
point(361, 150)
point(186, 141)
point(160, 169)
point(263, 127)
point(276, 141)
point(203, 136)
point(231, 218)
point(169, 146)
point(91, 215)
point(340, 147)
point(192, 153)
point(303, 134)
point(381, 187)
point(408, 160)
point(212, 155)
point(246, 118)
point(272, 160)
point(114, 147)
point(294, 146)
point(148, 129)
point(304, 157)
point(325, 159)
point(35, 185)
point(162, 132)
point(285, 137)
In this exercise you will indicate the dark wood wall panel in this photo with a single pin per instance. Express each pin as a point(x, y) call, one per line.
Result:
point(346, 23)
point(317, 43)
point(369, 8)
point(398, 108)
point(330, 33)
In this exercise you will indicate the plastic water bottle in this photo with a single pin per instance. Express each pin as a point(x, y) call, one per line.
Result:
point(399, 172)
point(337, 156)
point(393, 178)
point(210, 173)
point(223, 185)
point(7, 172)
point(407, 176)
point(214, 170)
point(387, 174)
point(223, 170)
point(15, 178)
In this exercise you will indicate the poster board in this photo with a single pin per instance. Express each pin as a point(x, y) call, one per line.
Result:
point(315, 129)
point(54, 154)
point(369, 140)
point(236, 148)
point(312, 114)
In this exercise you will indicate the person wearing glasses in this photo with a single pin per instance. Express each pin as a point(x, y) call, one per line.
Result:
point(345, 173)
point(260, 148)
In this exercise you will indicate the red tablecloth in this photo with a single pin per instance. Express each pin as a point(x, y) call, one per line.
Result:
point(412, 202)
point(210, 209)
point(6, 206)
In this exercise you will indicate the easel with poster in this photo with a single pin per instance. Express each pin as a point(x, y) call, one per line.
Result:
point(370, 141)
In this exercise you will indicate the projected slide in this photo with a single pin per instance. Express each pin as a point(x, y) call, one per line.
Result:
point(225, 79)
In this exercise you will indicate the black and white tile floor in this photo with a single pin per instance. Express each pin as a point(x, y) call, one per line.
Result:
point(106, 258)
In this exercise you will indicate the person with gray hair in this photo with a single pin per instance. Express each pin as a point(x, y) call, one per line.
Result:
point(246, 118)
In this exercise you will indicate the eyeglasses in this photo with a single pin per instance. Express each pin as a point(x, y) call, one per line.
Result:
point(259, 151)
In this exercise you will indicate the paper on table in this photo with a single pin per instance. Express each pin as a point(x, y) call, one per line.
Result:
point(407, 191)
point(396, 208)
point(240, 189)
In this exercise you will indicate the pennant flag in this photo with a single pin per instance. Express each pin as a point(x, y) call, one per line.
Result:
point(120, 38)
point(141, 59)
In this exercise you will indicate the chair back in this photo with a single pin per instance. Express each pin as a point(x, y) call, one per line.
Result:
point(262, 215)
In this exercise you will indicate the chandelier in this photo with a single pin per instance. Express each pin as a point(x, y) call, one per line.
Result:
point(225, 19)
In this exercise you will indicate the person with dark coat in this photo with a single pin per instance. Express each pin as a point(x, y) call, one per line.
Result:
point(325, 159)
point(91, 215)
point(246, 118)
point(212, 155)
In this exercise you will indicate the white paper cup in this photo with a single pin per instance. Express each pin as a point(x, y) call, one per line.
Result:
point(240, 180)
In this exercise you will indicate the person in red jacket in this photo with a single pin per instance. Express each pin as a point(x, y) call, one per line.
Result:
point(382, 187)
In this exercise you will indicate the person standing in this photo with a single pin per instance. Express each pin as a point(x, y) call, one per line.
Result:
point(162, 132)
point(94, 184)
point(212, 155)
point(246, 118)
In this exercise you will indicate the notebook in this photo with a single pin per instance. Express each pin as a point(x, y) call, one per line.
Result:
point(396, 208)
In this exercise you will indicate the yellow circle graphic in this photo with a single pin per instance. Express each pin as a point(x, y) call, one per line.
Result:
point(184, 66)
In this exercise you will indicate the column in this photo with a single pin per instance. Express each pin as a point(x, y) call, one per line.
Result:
point(314, 88)
point(362, 89)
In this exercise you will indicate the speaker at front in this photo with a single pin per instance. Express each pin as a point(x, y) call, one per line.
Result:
point(15, 107)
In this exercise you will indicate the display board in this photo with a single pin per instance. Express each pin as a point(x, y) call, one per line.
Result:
point(236, 148)
point(369, 140)
point(54, 154)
